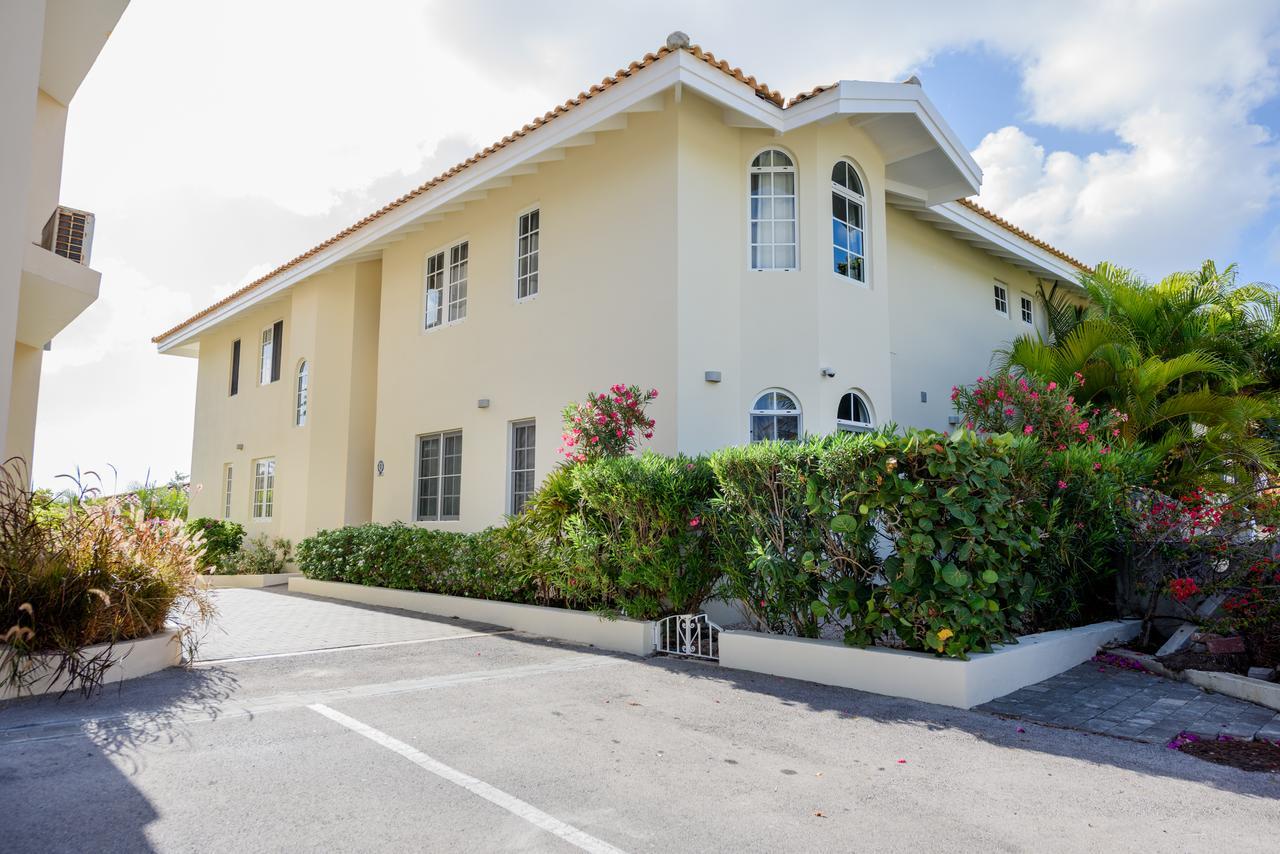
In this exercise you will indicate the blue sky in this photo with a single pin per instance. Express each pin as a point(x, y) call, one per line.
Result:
point(214, 141)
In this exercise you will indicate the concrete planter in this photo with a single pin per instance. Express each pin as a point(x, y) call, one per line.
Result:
point(132, 659)
point(225, 581)
point(918, 675)
point(1228, 684)
point(620, 635)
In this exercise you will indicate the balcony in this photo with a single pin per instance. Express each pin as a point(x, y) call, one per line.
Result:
point(57, 283)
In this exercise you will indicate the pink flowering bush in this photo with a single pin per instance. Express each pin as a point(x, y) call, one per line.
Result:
point(607, 424)
point(1004, 403)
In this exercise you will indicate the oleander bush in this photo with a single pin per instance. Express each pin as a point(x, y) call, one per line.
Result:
point(261, 555)
point(221, 539)
point(98, 572)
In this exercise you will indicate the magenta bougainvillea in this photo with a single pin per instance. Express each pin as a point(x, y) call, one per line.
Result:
point(607, 424)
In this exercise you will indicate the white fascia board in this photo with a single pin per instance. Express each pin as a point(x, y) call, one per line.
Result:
point(656, 79)
point(1044, 262)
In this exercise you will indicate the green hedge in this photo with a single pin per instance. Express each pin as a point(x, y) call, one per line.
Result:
point(221, 538)
point(409, 558)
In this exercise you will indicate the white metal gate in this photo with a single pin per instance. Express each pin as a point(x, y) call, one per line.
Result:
point(690, 635)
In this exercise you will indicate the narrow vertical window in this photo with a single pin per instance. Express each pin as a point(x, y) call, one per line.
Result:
point(1028, 311)
point(773, 211)
point(527, 255)
point(458, 282)
point(1001, 299)
point(235, 367)
point(264, 488)
point(848, 213)
point(439, 497)
point(301, 395)
point(226, 491)
point(434, 289)
point(523, 440)
point(267, 355)
point(277, 348)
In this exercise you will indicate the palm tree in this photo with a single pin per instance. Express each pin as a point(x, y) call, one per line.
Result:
point(1189, 361)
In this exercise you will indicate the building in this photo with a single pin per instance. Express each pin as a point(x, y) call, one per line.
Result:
point(773, 267)
point(46, 49)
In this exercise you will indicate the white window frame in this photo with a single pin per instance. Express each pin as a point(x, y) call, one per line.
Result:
point(794, 171)
point(447, 289)
point(266, 353)
point(1027, 309)
point(512, 493)
point(264, 489)
point(861, 201)
point(753, 412)
point(301, 393)
point(1000, 292)
point(534, 255)
point(228, 479)
point(456, 289)
point(850, 425)
point(427, 274)
point(438, 477)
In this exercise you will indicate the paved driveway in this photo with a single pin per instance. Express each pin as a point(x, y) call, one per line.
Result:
point(502, 742)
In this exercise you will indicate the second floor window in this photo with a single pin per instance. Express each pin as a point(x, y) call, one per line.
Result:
point(1001, 299)
point(235, 367)
point(271, 353)
point(1028, 311)
point(773, 211)
point(446, 286)
point(527, 255)
point(458, 282)
point(848, 210)
point(302, 394)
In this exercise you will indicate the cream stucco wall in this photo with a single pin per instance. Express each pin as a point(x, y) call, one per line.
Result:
point(944, 327)
point(644, 278)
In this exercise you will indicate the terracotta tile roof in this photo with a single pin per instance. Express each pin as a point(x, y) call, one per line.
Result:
point(761, 90)
point(1025, 235)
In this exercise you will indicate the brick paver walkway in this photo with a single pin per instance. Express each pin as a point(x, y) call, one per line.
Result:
point(1099, 698)
point(266, 622)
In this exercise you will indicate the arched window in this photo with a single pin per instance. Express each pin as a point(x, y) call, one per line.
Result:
point(854, 415)
point(775, 415)
point(773, 211)
point(848, 215)
point(301, 396)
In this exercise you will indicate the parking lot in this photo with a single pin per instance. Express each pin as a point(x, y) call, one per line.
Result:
point(314, 725)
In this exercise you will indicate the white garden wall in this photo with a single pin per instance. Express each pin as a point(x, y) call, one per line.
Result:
point(133, 659)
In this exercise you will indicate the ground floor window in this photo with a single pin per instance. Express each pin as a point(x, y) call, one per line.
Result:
point(264, 487)
point(775, 415)
point(439, 477)
point(853, 414)
point(523, 435)
point(226, 491)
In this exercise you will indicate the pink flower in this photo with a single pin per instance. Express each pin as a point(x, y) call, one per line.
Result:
point(1008, 410)
point(1028, 430)
point(1097, 466)
point(620, 433)
point(653, 392)
point(1083, 427)
point(595, 439)
point(1062, 484)
point(695, 522)
point(1052, 386)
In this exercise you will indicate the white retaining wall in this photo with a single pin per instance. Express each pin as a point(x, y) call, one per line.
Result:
point(269, 580)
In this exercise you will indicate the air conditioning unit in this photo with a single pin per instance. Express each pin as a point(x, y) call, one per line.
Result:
point(69, 233)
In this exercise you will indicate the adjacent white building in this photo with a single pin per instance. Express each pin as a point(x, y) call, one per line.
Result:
point(773, 266)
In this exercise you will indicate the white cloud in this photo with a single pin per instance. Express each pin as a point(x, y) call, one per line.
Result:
point(215, 141)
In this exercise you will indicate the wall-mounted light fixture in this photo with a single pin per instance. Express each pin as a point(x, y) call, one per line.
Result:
point(953, 420)
point(239, 446)
point(711, 376)
point(924, 397)
point(482, 403)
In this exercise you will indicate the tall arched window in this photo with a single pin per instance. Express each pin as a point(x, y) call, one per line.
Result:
point(848, 215)
point(773, 211)
point(854, 415)
point(775, 415)
point(301, 395)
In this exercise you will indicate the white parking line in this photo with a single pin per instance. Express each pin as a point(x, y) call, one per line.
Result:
point(348, 648)
point(510, 803)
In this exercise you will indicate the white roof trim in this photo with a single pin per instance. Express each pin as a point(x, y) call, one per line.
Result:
point(678, 68)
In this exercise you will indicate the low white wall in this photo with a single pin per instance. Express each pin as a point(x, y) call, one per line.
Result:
point(270, 580)
point(919, 675)
point(621, 635)
point(133, 659)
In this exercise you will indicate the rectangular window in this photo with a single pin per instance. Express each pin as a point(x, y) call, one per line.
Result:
point(1002, 299)
point(264, 488)
point(435, 288)
point(458, 282)
point(523, 439)
point(272, 352)
point(1028, 314)
point(226, 491)
point(439, 477)
point(527, 256)
point(235, 367)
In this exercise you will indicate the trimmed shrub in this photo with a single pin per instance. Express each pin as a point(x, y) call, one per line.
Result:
point(408, 558)
point(916, 540)
point(634, 535)
point(261, 555)
point(221, 539)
